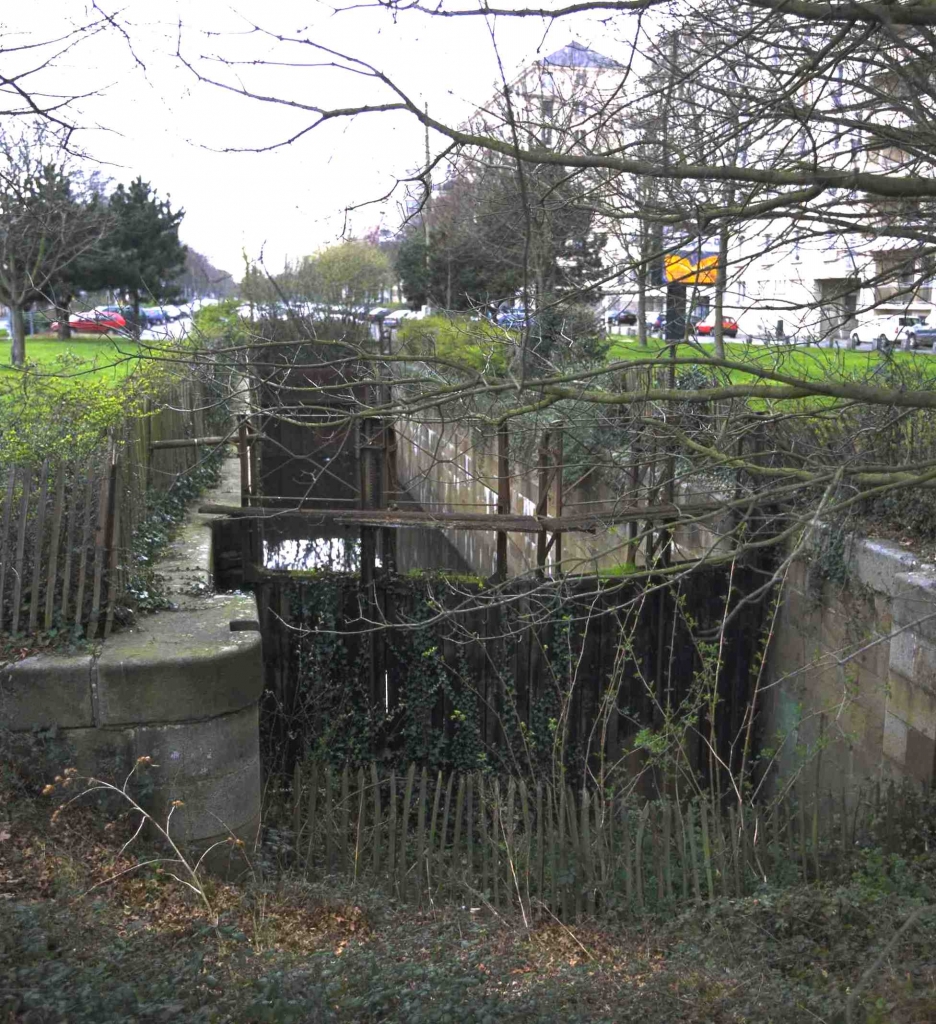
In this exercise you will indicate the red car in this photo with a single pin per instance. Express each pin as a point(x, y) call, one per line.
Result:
point(96, 321)
point(707, 326)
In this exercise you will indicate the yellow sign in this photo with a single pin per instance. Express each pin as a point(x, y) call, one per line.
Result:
point(690, 268)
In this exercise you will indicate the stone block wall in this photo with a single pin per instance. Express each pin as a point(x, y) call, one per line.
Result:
point(852, 670)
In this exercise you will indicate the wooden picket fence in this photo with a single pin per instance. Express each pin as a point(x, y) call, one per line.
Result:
point(512, 844)
point(66, 524)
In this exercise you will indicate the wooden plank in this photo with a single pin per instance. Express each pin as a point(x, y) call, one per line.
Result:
point(707, 850)
point(101, 533)
point(296, 800)
point(572, 906)
point(456, 836)
point(802, 839)
point(113, 546)
point(599, 831)
point(58, 511)
point(667, 861)
point(5, 536)
point(527, 859)
point(716, 826)
point(421, 872)
point(843, 822)
point(626, 850)
point(693, 852)
point(814, 832)
point(750, 834)
point(378, 820)
point(682, 842)
point(482, 818)
point(777, 850)
point(19, 557)
point(392, 819)
point(85, 544)
point(552, 837)
point(38, 545)
point(611, 826)
point(344, 820)
point(311, 822)
point(788, 822)
point(638, 855)
point(540, 849)
point(496, 886)
point(402, 518)
point(73, 525)
point(587, 866)
point(327, 823)
point(656, 846)
point(360, 822)
point(469, 831)
point(404, 828)
point(737, 866)
point(443, 834)
point(508, 831)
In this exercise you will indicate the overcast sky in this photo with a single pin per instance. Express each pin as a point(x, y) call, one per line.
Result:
point(157, 120)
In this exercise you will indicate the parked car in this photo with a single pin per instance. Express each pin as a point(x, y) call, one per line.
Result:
point(153, 316)
point(658, 324)
point(706, 327)
point(95, 321)
point(920, 333)
point(623, 317)
point(885, 332)
point(514, 318)
point(397, 317)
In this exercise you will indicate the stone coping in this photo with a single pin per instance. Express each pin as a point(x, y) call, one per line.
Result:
point(170, 666)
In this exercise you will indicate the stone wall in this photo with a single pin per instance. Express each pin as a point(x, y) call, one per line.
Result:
point(179, 686)
point(442, 466)
point(852, 669)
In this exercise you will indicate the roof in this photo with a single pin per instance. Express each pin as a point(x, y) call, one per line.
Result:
point(576, 55)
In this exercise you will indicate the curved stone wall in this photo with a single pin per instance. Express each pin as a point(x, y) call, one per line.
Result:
point(179, 687)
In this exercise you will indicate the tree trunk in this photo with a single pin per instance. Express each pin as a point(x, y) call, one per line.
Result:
point(62, 311)
point(135, 326)
point(721, 273)
point(642, 284)
point(18, 327)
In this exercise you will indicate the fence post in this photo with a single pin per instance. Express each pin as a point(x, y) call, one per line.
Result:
point(560, 459)
point(503, 497)
point(37, 546)
point(26, 477)
point(4, 534)
point(542, 501)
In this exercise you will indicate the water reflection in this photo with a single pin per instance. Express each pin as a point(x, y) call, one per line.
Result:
point(282, 549)
point(291, 543)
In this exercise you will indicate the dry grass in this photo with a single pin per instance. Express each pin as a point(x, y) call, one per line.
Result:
point(76, 947)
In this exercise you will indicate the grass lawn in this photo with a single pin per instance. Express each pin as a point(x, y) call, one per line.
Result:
point(799, 361)
point(85, 357)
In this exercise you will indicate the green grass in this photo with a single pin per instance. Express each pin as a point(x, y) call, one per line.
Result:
point(798, 361)
point(84, 357)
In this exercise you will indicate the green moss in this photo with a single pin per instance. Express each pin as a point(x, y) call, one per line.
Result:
point(615, 571)
point(460, 578)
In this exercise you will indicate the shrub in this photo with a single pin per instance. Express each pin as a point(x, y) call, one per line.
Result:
point(475, 344)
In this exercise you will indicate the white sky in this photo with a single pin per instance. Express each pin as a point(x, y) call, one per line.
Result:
point(158, 121)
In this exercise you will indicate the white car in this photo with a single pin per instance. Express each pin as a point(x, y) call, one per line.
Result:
point(397, 317)
point(885, 332)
